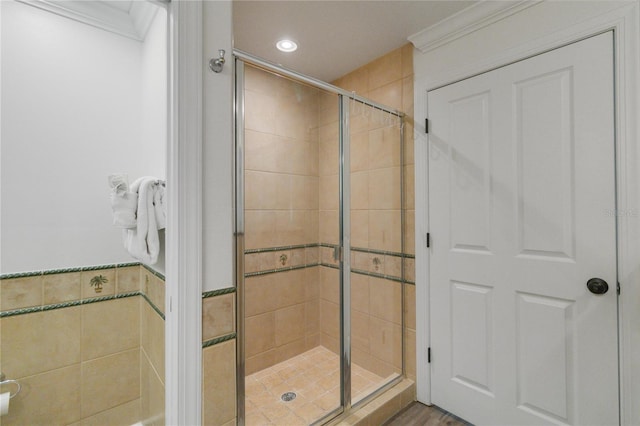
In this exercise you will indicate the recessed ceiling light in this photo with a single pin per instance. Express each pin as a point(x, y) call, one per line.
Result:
point(286, 45)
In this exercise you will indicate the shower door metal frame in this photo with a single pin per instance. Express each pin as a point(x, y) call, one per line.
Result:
point(345, 408)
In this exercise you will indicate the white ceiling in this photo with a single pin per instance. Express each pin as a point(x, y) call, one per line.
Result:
point(334, 37)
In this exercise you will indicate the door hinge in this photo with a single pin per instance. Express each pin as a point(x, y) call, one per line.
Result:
point(429, 355)
point(426, 125)
point(618, 287)
point(428, 240)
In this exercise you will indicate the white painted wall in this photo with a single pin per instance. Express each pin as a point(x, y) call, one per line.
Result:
point(73, 113)
point(217, 150)
point(528, 32)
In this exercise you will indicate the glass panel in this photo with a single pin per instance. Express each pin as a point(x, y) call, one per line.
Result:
point(376, 249)
point(292, 304)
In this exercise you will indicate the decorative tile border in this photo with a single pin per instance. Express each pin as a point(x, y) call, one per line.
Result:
point(364, 266)
point(81, 301)
point(282, 248)
point(71, 303)
point(218, 340)
point(219, 292)
point(66, 270)
point(153, 271)
point(273, 271)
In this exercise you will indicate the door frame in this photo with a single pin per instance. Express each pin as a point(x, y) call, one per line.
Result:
point(625, 22)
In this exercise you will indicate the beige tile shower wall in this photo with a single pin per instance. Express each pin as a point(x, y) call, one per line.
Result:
point(281, 209)
point(219, 360)
point(376, 320)
point(83, 364)
point(281, 161)
point(375, 204)
point(282, 316)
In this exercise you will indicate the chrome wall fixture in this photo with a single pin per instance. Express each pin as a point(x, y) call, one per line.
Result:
point(216, 64)
point(5, 381)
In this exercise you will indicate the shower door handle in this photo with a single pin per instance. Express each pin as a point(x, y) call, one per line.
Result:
point(337, 254)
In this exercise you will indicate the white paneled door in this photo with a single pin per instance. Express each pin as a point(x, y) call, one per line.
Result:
point(522, 216)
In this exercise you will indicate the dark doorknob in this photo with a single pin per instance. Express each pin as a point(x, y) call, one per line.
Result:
point(597, 286)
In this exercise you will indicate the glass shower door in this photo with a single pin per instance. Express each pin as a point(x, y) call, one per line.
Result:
point(376, 272)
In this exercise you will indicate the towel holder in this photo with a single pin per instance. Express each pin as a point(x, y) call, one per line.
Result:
point(4, 381)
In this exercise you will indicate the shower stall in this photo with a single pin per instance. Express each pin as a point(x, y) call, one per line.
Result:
point(319, 246)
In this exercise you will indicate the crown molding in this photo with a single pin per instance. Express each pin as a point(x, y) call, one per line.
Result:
point(132, 23)
point(473, 18)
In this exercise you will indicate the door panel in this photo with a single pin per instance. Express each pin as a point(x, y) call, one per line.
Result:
point(521, 178)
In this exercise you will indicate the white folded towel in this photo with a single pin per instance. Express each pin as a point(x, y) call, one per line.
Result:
point(159, 206)
point(143, 242)
point(123, 202)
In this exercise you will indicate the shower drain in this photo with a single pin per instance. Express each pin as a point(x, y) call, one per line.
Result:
point(288, 396)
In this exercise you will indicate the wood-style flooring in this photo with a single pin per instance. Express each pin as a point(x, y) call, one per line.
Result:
point(418, 414)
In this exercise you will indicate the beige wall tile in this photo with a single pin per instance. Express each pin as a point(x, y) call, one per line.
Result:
point(360, 228)
point(46, 399)
point(407, 59)
point(409, 140)
point(290, 324)
point(329, 342)
point(360, 293)
point(291, 349)
point(328, 151)
point(110, 381)
point(384, 230)
point(156, 292)
point(260, 112)
point(393, 266)
point(151, 393)
point(360, 330)
point(262, 151)
point(153, 337)
point(62, 287)
point(219, 383)
point(260, 294)
point(385, 299)
point(410, 269)
point(21, 292)
point(360, 190)
point(385, 69)
point(290, 288)
point(410, 353)
point(384, 147)
point(261, 190)
point(330, 319)
point(329, 226)
point(260, 333)
point(109, 327)
point(384, 189)
point(330, 284)
point(329, 192)
point(57, 333)
point(218, 316)
point(312, 317)
point(290, 227)
point(407, 95)
point(359, 151)
point(125, 414)
point(389, 95)
point(409, 187)
point(259, 229)
point(311, 224)
point(385, 341)
point(91, 286)
point(410, 306)
point(312, 283)
point(128, 279)
point(260, 362)
point(409, 232)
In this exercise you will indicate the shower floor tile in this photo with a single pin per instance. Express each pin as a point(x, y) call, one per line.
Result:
point(315, 378)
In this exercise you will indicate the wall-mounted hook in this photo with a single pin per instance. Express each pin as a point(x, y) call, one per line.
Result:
point(216, 64)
